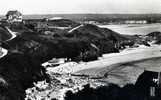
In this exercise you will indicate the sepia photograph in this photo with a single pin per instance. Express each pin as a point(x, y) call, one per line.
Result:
point(80, 50)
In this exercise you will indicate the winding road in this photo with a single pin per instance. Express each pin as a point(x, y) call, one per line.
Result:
point(3, 51)
point(13, 34)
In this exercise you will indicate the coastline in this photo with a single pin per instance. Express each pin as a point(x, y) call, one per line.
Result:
point(133, 29)
point(137, 54)
point(72, 76)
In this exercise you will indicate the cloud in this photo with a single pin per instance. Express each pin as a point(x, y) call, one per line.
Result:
point(81, 6)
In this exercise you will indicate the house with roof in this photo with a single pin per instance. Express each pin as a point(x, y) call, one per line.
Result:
point(14, 16)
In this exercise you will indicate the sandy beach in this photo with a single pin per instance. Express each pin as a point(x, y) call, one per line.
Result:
point(125, 56)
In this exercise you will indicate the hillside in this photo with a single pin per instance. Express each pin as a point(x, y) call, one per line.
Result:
point(92, 32)
point(41, 24)
point(62, 23)
point(86, 41)
point(4, 34)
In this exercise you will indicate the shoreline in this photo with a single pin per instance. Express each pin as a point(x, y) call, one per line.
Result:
point(110, 59)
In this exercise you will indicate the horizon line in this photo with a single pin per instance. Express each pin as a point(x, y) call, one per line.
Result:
point(91, 14)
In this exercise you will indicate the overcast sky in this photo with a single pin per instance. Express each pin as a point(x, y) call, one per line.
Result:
point(80, 6)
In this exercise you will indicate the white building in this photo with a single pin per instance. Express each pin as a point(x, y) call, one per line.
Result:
point(135, 22)
point(14, 16)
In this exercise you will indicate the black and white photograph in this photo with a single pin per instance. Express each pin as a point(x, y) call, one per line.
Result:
point(80, 50)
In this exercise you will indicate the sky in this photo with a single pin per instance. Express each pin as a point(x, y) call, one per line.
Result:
point(81, 6)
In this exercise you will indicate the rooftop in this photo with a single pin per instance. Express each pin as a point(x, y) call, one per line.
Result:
point(13, 12)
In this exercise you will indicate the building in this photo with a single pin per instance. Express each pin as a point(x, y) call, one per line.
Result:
point(14, 16)
point(55, 62)
point(150, 82)
point(135, 22)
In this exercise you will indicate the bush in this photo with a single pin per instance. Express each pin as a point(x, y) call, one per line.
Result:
point(111, 92)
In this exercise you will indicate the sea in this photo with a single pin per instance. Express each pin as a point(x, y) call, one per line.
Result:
point(134, 29)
